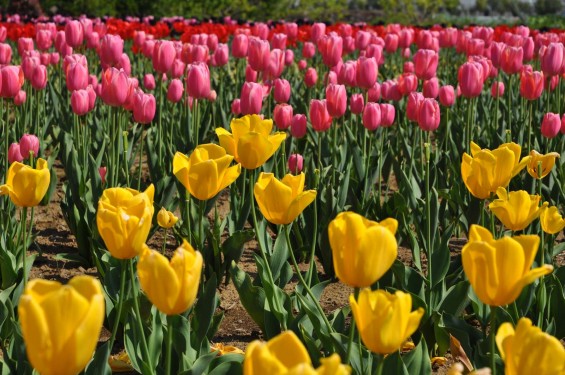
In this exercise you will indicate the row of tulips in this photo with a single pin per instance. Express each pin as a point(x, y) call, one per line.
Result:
point(350, 97)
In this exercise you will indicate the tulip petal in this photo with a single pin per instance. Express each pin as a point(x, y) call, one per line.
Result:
point(158, 280)
point(505, 330)
point(288, 349)
point(299, 204)
point(254, 149)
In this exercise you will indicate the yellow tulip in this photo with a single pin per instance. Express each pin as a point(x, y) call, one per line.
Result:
point(516, 209)
point(551, 220)
point(277, 356)
point(171, 286)
point(527, 350)
point(547, 163)
point(61, 323)
point(206, 172)
point(332, 366)
point(384, 320)
point(27, 186)
point(282, 201)
point(498, 270)
point(484, 170)
point(166, 219)
point(222, 349)
point(363, 250)
point(251, 141)
point(124, 220)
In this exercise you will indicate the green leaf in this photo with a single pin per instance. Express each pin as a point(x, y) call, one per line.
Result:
point(204, 311)
point(418, 361)
point(252, 297)
point(99, 363)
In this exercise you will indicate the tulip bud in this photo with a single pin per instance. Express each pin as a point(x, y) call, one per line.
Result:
point(5, 53)
point(251, 98)
point(497, 89)
point(240, 45)
point(295, 163)
point(552, 59)
point(372, 116)
point(308, 50)
point(298, 126)
point(282, 90)
point(39, 77)
point(20, 98)
point(319, 115)
point(429, 115)
point(175, 91)
point(336, 100)
point(74, 33)
point(425, 63)
point(470, 78)
point(149, 81)
point(413, 105)
point(102, 171)
point(356, 103)
point(388, 113)
point(446, 95)
point(14, 153)
point(367, 72)
point(29, 145)
point(144, 107)
point(259, 54)
point(250, 74)
point(311, 77)
point(550, 126)
point(198, 81)
point(431, 88)
point(80, 102)
point(236, 106)
point(166, 219)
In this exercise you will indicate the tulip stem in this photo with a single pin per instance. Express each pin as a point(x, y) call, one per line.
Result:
point(137, 318)
point(140, 163)
point(303, 282)
point(312, 268)
point(493, 339)
point(123, 269)
point(277, 304)
point(380, 365)
point(541, 290)
point(529, 129)
point(351, 330)
point(169, 344)
point(23, 222)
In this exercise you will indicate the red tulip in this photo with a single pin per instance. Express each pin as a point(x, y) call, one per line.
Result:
point(298, 126)
point(282, 116)
point(372, 116)
point(356, 103)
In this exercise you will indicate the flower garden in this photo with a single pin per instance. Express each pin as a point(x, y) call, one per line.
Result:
point(420, 171)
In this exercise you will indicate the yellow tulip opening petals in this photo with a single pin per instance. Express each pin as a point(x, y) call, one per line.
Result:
point(61, 324)
point(25, 185)
point(547, 162)
point(515, 209)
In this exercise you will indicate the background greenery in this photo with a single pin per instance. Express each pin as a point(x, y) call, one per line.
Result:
point(421, 12)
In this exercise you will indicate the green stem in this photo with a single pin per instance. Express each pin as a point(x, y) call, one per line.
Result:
point(529, 129)
point(380, 365)
point(493, 339)
point(303, 282)
point(201, 218)
point(137, 318)
point(23, 222)
point(312, 268)
point(140, 163)
point(428, 218)
point(277, 303)
point(169, 344)
point(351, 331)
point(123, 269)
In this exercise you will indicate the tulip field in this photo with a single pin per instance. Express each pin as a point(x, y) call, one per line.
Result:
point(418, 171)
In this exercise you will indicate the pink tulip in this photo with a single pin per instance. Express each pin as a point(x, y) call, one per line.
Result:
point(276, 64)
point(29, 145)
point(413, 105)
point(429, 115)
point(310, 77)
point(288, 57)
point(336, 100)
point(470, 78)
point(164, 54)
point(278, 41)
point(250, 74)
point(54, 58)
point(407, 83)
point(43, 39)
point(111, 49)
point(175, 91)
point(198, 81)
point(115, 87)
point(212, 42)
point(3, 33)
point(552, 59)
point(144, 107)
point(497, 89)
point(446, 95)
point(372, 116)
point(102, 171)
point(331, 49)
point(251, 98)
point(308, 50)
point(91, 97)
point(425, 63)
point(511, 59)
point(177, 69)
point(282, 115)
point(39, 77)
point(302, 64)
point(240, 45)
point(282, 90)
point(356, 103)
point(348, 74)
point(221, 55)
point(374, 93)
point(408, 67)
point(431, 88)
point(387, 114)
point(24, 44)
point(74, 33)
point(76, 76)
point(298, 126)
point(319, 115)
point(362, 39)
point(551, 125)
point(531, 84)
point(147, 48)
point(149, 81)
point(12, 81)
point(5, 54)
point(259, 54)
point(236, 106)
point(367, 72)
point(391, 43)
point(139, 37)
point(14, 153)
point(80, 102)
point(295, 163)
point(318, 30)
point(20, 98)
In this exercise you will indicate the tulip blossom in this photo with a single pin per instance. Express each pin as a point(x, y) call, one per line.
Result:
point(251, 142)
point(172, 285)
point(551, 220)
point(124, 220)
point(385, 321)
point(295, 163)
point(29, 145)
point(498, 270)
point(206, 172)
point(319, 116)
point(484, 170)
point(14, 153)
point(515, 209)
point(281, 201)
point(61, 324)
point(547, 162)
point(363, 250)
point(26, 185)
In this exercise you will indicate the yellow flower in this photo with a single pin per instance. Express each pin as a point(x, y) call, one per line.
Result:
point(384, 320)
point(225, 349)
point(551, 220)
point(282, 201)
point(498, 270)
point(363, 250)
point(206, 172)
point(61, 323)
point(27, 186)
point(528, 350)
point(277, 356)
point(170, 286)
point(547, 163)
point(166, 219)
point(124, 220)
point(487, 170)
point(332, 366)
point(251, 141)
point(516, 209)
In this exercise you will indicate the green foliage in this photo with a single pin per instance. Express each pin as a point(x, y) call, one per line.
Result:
point(544, 7)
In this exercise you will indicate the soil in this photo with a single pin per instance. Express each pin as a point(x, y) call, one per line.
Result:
point(237, 328)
